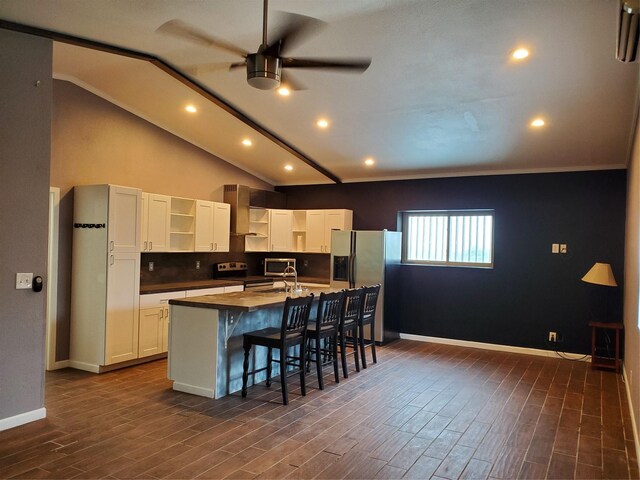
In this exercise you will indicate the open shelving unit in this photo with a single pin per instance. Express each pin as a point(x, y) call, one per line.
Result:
point(299, 230)
point(258, 238)
point(183, 214)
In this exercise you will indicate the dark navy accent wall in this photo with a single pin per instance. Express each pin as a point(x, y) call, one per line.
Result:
point(530, 291)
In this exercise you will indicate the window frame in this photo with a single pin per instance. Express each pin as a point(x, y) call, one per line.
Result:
point(447, 213)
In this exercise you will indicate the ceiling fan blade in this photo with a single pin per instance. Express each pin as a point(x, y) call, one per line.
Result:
point(233, 66)
point(210, 67)
point(295, 30)
point(353, 65)
point(291, 83)
point(180, 29)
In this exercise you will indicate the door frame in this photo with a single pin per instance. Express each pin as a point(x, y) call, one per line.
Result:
point(52, 280)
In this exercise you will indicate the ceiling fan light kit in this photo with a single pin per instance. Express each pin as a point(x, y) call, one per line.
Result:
point(263, 71)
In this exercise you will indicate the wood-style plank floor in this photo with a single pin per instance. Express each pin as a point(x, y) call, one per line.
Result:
point(424, 411)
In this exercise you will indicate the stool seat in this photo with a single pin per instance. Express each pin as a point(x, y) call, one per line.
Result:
point(272, 333)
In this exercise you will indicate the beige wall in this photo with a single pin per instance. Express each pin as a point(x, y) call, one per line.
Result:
point(94, 141)
point(631, 284)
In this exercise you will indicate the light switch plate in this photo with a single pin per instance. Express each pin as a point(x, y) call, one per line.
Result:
point(23, 281)
point(555, 248)
point(563, 248)
point(151, 266)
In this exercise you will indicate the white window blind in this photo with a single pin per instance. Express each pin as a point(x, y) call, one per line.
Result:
point(449, 238)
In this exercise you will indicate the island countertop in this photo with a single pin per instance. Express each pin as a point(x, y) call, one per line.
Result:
point(247, 301)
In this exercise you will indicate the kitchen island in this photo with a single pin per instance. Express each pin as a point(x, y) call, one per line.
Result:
point(205, 338)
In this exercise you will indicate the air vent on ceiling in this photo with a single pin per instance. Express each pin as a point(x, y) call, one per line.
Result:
point(628, 31)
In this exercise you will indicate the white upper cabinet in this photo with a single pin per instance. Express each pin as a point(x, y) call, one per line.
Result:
point(213, 223)
point(125, 211)
point(156, 218)
point(280, 230)
point(319, 225)
point(221, 226)
point(204, 226)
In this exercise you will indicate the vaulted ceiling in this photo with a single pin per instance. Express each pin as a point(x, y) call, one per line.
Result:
point(442, 95)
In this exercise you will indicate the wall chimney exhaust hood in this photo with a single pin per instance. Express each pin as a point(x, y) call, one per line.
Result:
point(242, 198)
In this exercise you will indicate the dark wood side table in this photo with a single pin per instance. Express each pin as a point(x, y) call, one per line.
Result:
point(605, 362)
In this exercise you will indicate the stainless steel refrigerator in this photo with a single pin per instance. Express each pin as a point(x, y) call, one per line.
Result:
point(360, 257)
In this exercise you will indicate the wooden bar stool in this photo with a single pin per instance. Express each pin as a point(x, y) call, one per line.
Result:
point(368, 317)
point(292, 332)
point(325, 329)
point(348, 328)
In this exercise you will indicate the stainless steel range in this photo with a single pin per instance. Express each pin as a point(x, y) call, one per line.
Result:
point(239, 271)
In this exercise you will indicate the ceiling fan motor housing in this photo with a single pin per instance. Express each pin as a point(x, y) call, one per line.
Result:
point(263, 71)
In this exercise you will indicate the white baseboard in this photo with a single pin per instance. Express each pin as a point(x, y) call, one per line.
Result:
point(22, 418)
point(59, 365)
point(494, 346)
point(192, 389)
point(634, 425)
point(87, 367)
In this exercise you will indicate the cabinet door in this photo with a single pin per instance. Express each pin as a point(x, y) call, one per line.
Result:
point(204, 226)
point(123, 289)
point(315, 231)
point(281, 230)
point(150, 336)
point(165, 329)
point(221, 226)
point(334, 220)
point(125, 212)
point(158, 223)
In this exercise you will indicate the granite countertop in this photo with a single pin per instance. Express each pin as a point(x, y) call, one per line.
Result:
point(248, 301)
point(213, 282)
point(192, 285)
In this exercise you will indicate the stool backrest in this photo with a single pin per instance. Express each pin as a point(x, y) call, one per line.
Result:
point(295, 316)
point(329, 309)
point(352, 304)
point(369, 303)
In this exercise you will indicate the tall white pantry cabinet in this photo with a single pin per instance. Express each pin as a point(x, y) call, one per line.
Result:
point(105, 277)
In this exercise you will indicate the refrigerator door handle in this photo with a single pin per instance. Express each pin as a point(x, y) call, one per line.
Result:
point(352, 271)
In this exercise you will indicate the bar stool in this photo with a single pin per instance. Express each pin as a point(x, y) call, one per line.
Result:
point(348, 328)
point(325, 328)
point(292, 332)
point(368, 317)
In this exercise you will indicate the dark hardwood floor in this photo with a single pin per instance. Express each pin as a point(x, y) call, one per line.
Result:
point(424, 411)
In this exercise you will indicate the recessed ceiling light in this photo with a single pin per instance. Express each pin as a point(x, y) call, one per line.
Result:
point(322, 123)
point(246, 142)
point(369, 161)
point(284, 91)
point(288, 168)
point(537, 122)
point(520, 53)
point(191, 109)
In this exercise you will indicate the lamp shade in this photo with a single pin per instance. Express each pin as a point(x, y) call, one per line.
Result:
point(600, 274)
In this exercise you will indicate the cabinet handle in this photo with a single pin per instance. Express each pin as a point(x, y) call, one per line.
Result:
point(167, 314)
point(150, 246)
point(145, 245)
point(111, 260)
point(215, 247)
point(162, 313)
point(111, 245)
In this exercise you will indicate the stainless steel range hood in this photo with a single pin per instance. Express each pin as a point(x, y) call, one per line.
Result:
point(242, 198)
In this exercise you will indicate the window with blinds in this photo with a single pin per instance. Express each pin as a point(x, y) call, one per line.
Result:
point(452, 237)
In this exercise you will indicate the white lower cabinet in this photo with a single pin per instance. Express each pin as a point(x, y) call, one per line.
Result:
point(155, 321)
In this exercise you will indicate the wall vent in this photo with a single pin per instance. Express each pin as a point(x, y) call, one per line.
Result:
point(628, 31)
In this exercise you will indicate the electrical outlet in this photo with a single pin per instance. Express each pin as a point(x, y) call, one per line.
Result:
point(151, 266)
point(305, 263)
point(197, 264)
point(552, 337)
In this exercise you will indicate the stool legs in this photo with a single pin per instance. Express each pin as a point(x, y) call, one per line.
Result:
point(303, 370)
point(245, 368)
point(283, 377)
point(373, 344)
point(334, 344)
point(319, 359)
point(361, 344)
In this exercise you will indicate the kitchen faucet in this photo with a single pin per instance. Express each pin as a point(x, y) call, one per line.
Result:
point(291, 269)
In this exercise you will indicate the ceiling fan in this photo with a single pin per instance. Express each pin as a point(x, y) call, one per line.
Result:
point(265, 67)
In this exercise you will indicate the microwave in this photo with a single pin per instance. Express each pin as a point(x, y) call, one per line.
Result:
point(275, 267)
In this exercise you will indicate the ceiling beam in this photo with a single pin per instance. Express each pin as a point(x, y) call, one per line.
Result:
point(178, 75)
